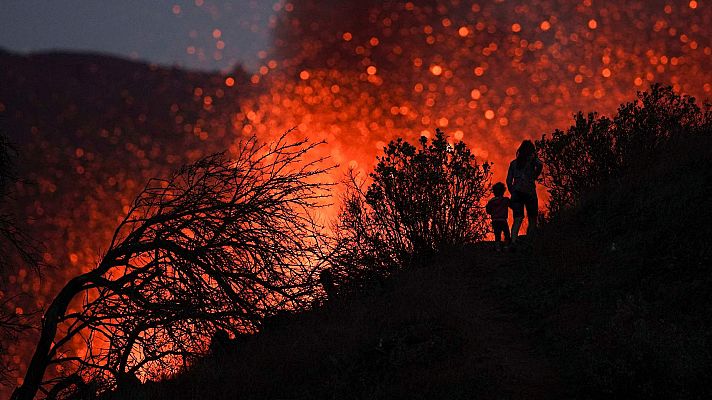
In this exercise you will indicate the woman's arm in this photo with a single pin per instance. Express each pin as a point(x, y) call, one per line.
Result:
point(538, 167)
point(510, 178)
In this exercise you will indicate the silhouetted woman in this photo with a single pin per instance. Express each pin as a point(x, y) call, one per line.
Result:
point(521, 182)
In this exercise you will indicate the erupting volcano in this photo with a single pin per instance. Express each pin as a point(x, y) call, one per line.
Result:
point(90, 130)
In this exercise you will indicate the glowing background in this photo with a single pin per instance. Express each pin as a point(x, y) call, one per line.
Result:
point(359, 74)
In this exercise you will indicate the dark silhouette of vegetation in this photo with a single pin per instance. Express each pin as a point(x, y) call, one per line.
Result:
point(221, 245)
point(611, 300)
point(620, 276)
point(16, 248)
point(598, 149)
point(421, 201)
point(128, 120)
point(13, 241)
point(427, 333)
point(619, 283)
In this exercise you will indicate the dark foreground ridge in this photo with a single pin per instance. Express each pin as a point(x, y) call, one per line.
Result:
point(448, 330)
point(611, 300)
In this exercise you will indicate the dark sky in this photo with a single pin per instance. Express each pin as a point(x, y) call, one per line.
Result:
point(181, 32)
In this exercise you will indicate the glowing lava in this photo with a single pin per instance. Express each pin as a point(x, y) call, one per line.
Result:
point(362, 73)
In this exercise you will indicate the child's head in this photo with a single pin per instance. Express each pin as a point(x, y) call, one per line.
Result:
point(498, 189)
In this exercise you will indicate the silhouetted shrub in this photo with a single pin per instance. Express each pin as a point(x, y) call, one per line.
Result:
point(620, 278)
point(597, 149)
point(420, 202)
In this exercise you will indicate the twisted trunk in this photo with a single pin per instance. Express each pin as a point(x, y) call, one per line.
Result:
point(50, 321)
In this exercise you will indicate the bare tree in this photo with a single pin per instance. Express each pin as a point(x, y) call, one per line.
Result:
point(12, 325)
point(220, 245)
point(16, 248)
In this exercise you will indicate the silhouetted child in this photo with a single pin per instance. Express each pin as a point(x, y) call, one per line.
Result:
point(498, 209)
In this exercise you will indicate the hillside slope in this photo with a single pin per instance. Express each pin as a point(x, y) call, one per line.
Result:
point(428, 333)
point(611, 300)
point(620, 285)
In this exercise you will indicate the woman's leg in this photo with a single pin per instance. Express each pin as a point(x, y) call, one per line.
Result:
point(517, 205)
point(532, 205)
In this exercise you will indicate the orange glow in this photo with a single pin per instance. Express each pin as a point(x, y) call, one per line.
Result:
point(496, 74)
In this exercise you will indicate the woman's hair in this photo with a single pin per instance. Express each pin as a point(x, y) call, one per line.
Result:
point(524, 153)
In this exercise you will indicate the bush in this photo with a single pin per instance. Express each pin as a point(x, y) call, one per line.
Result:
point(620, 282)
point(596, 149)
point(420, 202)
point(619, 279)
